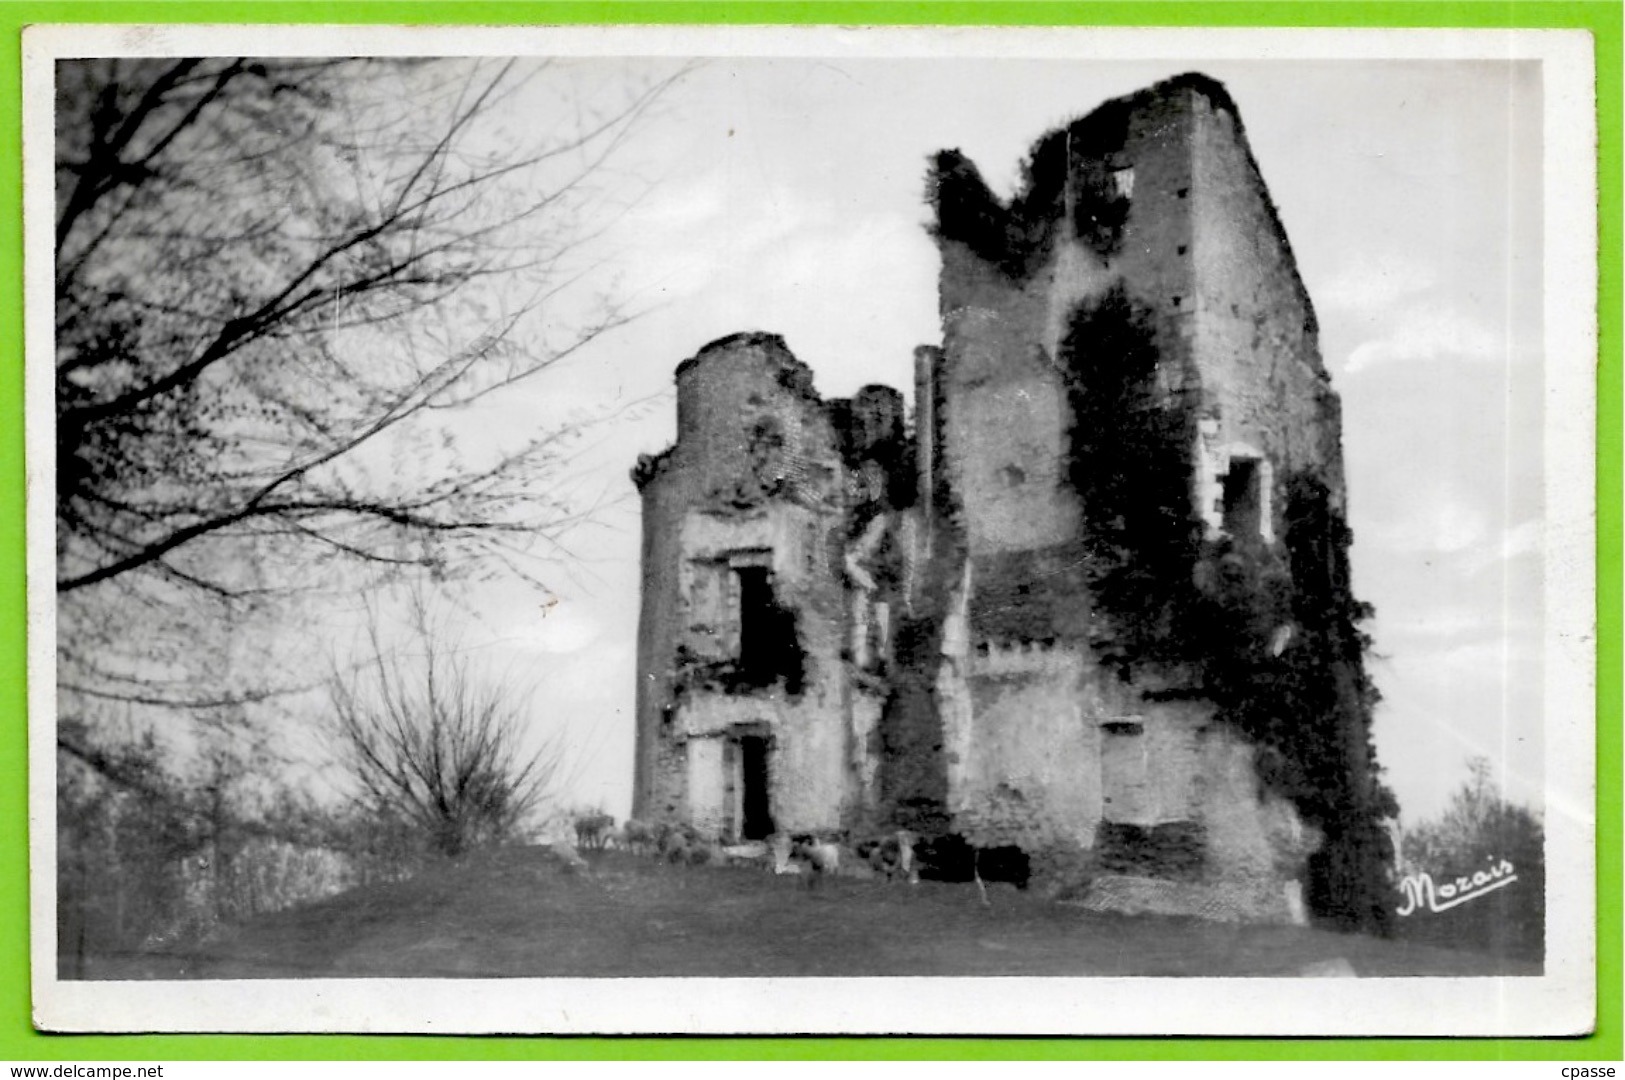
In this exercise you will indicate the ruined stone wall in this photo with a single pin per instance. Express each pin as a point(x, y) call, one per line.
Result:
point(806, 770)
point(1255, 840)
point(867, 704)
point(1007, 428)
point(1002, 416)
point(808, 760)
point(1024, 764)
point(659, 788)
point(1026, 704)
point(1261, 373)
point(1150, 764)
point(747, 415)
point(1266, 393)
point(755, 473)
point(1045, 745)
point(1154, 258)
point(1154, 199)
point(1099, 603)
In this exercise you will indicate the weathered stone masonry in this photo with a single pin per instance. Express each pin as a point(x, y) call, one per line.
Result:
point(1092, 604)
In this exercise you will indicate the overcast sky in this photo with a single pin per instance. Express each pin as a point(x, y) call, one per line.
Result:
point(789, 197)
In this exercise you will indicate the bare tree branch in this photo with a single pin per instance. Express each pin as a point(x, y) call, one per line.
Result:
point(180, 386)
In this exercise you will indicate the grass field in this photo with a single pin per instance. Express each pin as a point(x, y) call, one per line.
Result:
point(517, 912)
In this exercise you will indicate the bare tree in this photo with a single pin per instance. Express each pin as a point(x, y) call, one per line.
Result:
point(278, 282)
point(435, 746)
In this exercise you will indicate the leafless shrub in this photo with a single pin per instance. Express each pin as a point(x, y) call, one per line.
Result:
point(432, 743)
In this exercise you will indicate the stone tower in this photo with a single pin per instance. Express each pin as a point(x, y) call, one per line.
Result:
point(1093, 611)
point(753, 714)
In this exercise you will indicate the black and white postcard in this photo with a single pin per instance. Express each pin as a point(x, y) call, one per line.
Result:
point(798, 530)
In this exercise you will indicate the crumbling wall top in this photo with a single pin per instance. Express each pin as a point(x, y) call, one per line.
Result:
point(1082, 167)
point(793, 375)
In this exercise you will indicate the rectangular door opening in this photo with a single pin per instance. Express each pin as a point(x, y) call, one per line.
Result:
point(756, 818)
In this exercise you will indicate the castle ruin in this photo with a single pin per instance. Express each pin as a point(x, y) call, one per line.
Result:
point(1089, 603)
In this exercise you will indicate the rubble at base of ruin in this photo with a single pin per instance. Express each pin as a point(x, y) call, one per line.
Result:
point(858, 617)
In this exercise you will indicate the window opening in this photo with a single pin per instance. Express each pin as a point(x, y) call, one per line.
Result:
point(739, 636)
point(1243, 501)
point(757, 618)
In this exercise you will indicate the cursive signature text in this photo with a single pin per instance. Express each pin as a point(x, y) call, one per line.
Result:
point(1421, 893)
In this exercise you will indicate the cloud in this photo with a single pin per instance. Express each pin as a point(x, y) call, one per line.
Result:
point(1451, 526)
point(565, 627)
point(534, 623)
point(1444, 526)
point(681, 241)
point(1428, 627)
point(1373, 280)
point(1426, 333)
point(1520, 540)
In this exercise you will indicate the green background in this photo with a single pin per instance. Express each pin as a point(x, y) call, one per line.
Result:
point(18, 1040)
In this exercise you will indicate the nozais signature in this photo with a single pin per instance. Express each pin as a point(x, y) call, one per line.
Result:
point(1421, 893)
